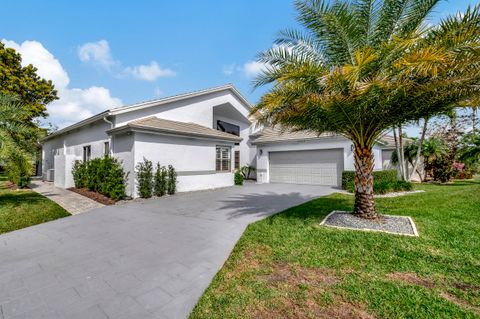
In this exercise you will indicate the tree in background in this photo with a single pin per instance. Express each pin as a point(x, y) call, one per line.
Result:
point(33, 91)
point(359, 68)
point(15, 150)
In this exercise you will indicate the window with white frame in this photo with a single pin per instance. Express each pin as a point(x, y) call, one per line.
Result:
point(87, 153)
point(223, 159)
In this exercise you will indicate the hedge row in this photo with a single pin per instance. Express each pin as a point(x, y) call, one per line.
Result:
point(348, 177)
point(159, 182)
point(102, 175)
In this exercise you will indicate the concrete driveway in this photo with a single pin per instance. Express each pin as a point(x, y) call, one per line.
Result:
point(150, 259)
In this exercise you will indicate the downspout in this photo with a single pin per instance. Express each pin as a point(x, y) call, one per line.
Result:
point(111, 136)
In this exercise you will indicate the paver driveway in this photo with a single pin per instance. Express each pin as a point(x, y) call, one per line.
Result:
point(150, 259)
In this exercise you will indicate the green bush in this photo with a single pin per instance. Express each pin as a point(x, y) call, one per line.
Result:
point(348, 178)
point(80, 174)
point(19, 169)
point(160, 181)
point(238, 178)
point(402, 186)
point(383, 187)
point(383, 182)
point(145, 178)
point(102, 175)
point(171, 180)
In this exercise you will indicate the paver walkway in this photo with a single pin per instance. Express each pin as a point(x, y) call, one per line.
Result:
point(72, 202)
point(150, 259)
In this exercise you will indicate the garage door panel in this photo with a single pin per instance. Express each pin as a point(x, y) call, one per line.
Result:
point(319, 167)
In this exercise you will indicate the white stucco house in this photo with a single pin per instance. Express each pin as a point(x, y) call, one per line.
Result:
point(206, 135)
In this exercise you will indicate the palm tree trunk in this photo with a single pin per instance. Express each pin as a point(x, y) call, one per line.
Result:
point(419, 149)
point(397, 148)
point(401, 156)
point(364, 202)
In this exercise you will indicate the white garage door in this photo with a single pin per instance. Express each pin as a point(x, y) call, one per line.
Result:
point(319, 167)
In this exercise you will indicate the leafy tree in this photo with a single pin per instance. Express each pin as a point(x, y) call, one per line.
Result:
point(361, 67)
point(34, 92)
point(15, 150)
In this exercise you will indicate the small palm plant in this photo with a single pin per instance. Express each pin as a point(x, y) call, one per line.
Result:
point(358, 68)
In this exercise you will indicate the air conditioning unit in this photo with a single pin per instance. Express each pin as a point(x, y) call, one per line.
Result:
point(50, 175)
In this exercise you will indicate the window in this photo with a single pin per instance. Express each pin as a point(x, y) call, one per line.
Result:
point(223, 159)
point(228, 128)
point(106, 148)
point(87, 152)
point(237, 159)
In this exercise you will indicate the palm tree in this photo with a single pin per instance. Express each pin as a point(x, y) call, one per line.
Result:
point(469, 151)
point(360, 67)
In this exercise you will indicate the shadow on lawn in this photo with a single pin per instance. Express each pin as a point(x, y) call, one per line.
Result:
point(20, 197)
point(292, 205)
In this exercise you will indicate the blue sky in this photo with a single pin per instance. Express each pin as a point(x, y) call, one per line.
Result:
point(102, 54)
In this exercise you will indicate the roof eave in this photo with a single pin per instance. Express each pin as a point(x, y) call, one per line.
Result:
point(150, 130)
point(72, 127)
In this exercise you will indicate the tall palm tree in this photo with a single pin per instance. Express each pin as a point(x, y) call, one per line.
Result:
point(360, 67)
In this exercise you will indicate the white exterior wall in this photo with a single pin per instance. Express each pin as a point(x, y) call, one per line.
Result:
point(193, 159)
point(326, 143)
point(196, 109)
point(60, 152)
point(123, 149)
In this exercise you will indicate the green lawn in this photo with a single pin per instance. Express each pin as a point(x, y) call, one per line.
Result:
point(287, 266)
point(23, 208)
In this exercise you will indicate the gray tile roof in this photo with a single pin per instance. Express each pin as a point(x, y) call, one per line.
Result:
point(159, 125)
point(277, 135)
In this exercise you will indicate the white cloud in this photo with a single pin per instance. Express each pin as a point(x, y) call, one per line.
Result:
point(150, 72)
point(252, 69)
point(97, 53)
point(74, 104)
point(229, 69)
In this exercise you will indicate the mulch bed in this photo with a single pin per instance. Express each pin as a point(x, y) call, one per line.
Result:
point(102, 199)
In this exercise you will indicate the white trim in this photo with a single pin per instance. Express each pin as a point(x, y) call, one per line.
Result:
point(412, 224)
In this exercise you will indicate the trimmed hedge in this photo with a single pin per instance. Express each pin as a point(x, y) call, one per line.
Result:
point(102, 175)
point(390, 175)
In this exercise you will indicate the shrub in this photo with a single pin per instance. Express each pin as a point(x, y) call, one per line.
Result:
point(171, 180)
point(383, 187)
point(238, 178)
point(160, 182)
point(348, 178)
point(246, 170)
point(145, 178)
point(102, 175)
point(80, 174)
point(402, 186)
point(19, 169)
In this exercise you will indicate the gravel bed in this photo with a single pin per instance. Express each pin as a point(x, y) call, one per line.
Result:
point(390, 224)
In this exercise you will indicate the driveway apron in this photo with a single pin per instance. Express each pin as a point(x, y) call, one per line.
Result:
point(148, 259)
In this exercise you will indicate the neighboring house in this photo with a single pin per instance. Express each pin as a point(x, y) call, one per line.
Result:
point(206, 135)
